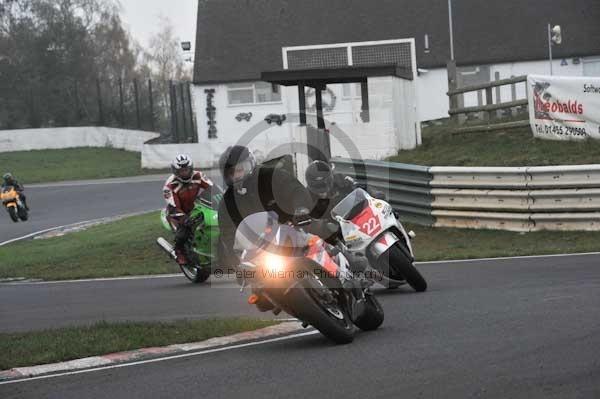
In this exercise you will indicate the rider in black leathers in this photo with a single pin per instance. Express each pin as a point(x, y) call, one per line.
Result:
point(252, 189)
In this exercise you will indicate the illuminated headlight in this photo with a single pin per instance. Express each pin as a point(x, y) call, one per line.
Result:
point(274, 264)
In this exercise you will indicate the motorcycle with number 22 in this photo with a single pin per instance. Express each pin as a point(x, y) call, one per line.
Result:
point(370, 228)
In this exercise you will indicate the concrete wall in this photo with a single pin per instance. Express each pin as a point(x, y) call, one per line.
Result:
point(70, 137)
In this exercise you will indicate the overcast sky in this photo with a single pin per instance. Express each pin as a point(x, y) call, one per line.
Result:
point(142, 17)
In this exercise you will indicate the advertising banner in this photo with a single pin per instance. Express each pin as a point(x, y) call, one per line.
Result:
point(564, 108)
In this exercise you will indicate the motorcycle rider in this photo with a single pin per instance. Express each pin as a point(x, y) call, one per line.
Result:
point(252, 189)
point(8, 180)
point(180, 192)
point(327, 189)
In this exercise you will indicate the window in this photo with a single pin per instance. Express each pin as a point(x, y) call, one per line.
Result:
point(253, 93)
point(351, 90)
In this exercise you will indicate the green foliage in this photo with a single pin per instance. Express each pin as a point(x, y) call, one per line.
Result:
point(52, 52)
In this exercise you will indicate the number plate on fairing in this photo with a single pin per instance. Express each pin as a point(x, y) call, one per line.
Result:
point(368, 222)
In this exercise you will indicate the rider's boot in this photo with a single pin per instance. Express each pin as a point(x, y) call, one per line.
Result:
point(181, 259)
point(263, 304)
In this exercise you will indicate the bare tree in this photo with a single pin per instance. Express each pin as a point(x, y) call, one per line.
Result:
point(164, 56)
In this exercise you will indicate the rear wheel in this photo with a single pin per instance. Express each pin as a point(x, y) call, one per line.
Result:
point(314, 303)
point(401, 267)
point(195, 274)
point(12, 211)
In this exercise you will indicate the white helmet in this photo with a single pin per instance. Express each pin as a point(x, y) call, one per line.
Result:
point(183, 168)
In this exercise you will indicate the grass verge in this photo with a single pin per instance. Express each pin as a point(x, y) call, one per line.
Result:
point(438, 243)
point(50, 346)
point(72, 164)
point(127, 247)
point(512, 147)
point(123, 248)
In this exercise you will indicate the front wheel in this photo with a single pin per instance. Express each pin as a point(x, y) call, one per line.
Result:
point(23, 214)
point(401, 267)
point(309, 304)
point(12, 211)
point(373, 316)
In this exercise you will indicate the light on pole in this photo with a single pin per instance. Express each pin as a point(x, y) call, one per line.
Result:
point(554, 37)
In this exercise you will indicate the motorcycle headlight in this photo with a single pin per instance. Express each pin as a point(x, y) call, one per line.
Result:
point(274, 264)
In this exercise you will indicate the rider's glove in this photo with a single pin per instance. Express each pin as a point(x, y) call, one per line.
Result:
point(301, 216)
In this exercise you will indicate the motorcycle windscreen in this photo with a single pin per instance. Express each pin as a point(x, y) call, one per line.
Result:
point(255, 231)
point(351, 205)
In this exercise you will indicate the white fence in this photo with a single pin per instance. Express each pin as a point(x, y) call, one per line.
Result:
point(70, 137)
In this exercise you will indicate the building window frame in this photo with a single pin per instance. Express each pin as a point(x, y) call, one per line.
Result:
point(245, 86)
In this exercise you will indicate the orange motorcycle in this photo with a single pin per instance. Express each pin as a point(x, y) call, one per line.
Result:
point(13, 204)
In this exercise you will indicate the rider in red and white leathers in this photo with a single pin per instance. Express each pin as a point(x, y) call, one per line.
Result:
point(180, 191)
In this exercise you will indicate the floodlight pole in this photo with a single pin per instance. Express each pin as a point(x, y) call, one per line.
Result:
point(550, 46)
point(451, 67)
point(451, 30)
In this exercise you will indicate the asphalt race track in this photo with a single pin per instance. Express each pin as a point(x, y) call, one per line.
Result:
point(513, 328)
point(63, 203)
point(59, 204)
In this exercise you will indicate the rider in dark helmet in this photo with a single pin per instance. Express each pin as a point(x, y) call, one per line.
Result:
point(328, 188)
point(8, 180)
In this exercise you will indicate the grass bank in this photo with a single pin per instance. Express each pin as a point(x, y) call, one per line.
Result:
point(50, 346)
point(512, 147)
point(72, 164)
point(451, 243)
point(123, 248)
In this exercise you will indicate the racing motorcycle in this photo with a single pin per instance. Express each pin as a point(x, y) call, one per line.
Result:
point(13, 204)
point(297, 272)
point(370, 229)
point(201, 248)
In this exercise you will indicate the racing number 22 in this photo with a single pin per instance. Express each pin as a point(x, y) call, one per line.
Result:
point(371, 226)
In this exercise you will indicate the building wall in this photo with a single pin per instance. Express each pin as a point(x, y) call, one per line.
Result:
point(392, 123)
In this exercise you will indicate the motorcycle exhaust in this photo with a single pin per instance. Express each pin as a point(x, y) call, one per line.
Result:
point(166, 246)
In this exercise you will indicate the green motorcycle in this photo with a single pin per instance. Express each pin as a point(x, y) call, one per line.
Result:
point(201, 248)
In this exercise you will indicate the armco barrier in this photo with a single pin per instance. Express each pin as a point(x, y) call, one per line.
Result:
point(407, 186)
point(517, 199)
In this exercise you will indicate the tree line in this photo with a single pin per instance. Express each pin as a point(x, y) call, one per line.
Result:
point(72, 62)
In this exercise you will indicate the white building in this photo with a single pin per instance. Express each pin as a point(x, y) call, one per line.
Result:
point(239, 41)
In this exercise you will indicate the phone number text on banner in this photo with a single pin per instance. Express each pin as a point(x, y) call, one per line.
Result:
point(564, 108)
